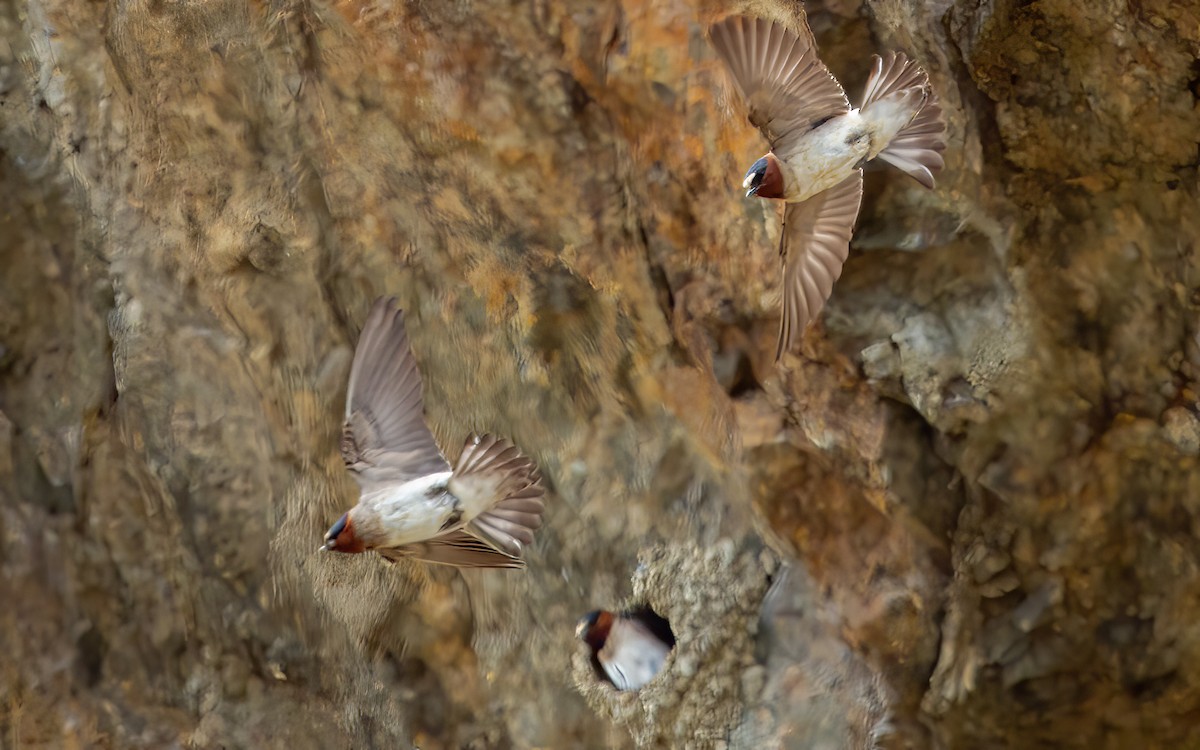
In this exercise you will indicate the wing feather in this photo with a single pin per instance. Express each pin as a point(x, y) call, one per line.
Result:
point(785, 86)
point(385, 438)
point(814, 242)
point(458, 549)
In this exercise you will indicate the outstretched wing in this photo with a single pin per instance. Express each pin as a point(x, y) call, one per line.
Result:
point(786, 87)
point(385, 438)
point(814, 242)
point(458, 549)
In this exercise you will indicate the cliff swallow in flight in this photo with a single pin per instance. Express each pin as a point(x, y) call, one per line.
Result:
point(411, 504)
point(628, 648)
point(819, 145)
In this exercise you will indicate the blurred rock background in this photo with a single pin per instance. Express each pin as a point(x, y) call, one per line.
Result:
point(979, 472)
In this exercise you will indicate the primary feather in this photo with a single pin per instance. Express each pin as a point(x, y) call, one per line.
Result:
point(384, 438)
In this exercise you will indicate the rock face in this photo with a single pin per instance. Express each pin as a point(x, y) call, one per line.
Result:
point(979, 472)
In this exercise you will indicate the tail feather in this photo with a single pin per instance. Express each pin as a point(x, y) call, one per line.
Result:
point(783, 82)
point(916, 148)
point(502, 491)
point(892, 75)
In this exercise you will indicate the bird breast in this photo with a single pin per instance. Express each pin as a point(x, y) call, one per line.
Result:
point(632, 656)
point(411, 511)
point(825, 156)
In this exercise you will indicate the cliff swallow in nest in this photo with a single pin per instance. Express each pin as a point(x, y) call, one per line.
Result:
point(478, 515)
point(628, 648)
point(819, 145)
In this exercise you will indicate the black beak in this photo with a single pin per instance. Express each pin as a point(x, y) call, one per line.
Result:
point(754, 177)
point(337, 528)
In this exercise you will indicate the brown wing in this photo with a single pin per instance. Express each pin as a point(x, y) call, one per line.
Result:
point(502, 491)
point(384, 438)
point(458, 549)
point(814, 242)
point(784, 84)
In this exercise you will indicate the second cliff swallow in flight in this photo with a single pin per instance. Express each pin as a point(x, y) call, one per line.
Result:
point(628, 648)
point(479, 515)
point(819, 145)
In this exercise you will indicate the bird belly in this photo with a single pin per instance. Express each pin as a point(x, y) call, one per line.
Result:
point(635, 663)
point(415, 511)
point(825, 157)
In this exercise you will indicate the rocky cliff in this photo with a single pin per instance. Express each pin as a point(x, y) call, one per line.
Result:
point(973, 494)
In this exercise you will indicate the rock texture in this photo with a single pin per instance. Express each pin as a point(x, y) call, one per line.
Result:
point(980, 470)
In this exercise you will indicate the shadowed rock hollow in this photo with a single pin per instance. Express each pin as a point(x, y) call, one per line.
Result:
point(979, 472)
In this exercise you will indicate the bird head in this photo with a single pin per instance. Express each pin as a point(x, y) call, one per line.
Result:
point(593, 628)
point(341, 537)
point(764, 178)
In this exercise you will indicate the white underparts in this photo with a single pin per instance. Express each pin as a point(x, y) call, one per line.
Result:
point(411, 512)
point(825, 156)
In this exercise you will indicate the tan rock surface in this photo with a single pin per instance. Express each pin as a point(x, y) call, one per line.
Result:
point(981, 468)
